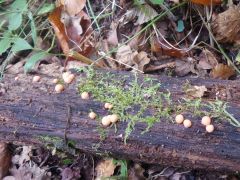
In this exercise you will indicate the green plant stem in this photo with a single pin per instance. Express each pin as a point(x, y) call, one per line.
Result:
point(233, 121)
point(92, 13)
point(80, 57)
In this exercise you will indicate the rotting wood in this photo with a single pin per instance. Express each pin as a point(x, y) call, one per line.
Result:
point(30, 110)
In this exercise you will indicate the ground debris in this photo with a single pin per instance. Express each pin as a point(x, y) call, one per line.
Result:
point(226, 25)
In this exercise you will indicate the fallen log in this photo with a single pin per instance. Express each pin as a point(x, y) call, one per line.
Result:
point(31, 111)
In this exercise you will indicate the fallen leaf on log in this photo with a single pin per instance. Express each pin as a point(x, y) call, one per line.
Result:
point(196, 91)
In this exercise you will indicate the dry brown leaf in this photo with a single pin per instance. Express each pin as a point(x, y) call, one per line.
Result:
point(185, 67)
point(125, 55)
point(73, 32)
point(222, 71)
point(136, 173)
point(207, 2)
point(5, 159)
point(207, 60)
point(226, 25)
point(196, 91)
point(162, 50)
point(112, 36)
point(137, 41)
point(58, 26)
point(144, 13)
point(141, 60)
point(80, 33)
point(29, 171)
point(73, 7)
point(73, 22)
point(105, 168)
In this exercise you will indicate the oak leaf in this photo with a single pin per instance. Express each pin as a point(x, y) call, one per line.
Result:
point(222, 71)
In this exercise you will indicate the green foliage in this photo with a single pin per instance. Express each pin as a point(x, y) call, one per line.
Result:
point(216, 109)
point(139, 2)
point(46, 8)
point(54, 141)
point(67, 161)
point(123, 168)
point(33, 28)
point(20, 44)
point(17, 9)
point(157, 2)
point(20, 33)
point(34, 59)
point(5, 42)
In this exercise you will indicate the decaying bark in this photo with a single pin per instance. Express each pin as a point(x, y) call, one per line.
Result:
point(29, 111)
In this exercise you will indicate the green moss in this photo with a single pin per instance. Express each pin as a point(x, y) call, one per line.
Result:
point(140, 100)
point(52, 140)
point(132, 101)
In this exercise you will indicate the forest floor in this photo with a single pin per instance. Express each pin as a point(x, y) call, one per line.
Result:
point(197, 38)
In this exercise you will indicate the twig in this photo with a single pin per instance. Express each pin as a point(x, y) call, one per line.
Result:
point(155, 68)
point(81, 58)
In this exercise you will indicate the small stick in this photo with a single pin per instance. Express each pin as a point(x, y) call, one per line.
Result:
point(81, 58)
point(154, 68)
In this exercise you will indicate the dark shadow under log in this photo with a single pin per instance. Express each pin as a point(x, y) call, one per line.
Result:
point(32, 110)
